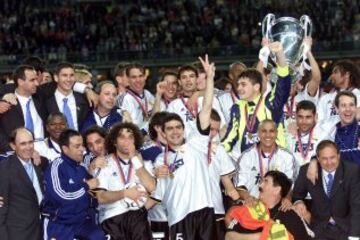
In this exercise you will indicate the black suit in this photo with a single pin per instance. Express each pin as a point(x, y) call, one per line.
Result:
point(19, 217)
point(82, 107)
point(343, 205)
point(14, 118)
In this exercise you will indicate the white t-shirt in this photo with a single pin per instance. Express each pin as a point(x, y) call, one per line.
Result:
point(326, 105)
point(134, 108)
point(249, 173)
point(110, 178)
point(178, 107)
point(227, 100)
point(220, 165)
point(189, 190)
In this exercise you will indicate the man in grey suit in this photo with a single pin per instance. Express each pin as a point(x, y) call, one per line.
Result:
point(335, 204)
point(22, 190)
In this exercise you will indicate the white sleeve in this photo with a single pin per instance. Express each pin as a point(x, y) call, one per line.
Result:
point(225, 162)
point(217, 107)
point(243, 175)
point(79, 87)
point(45, 151)
point(321, 108)
point(159, 192)
point(103, 178)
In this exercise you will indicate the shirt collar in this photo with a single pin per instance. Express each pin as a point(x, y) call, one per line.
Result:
point(24, 162)
point(255, 101)
point(142, 95)
point(61, 96)
point(326, 173)
point(22, 98)
point(69, 160)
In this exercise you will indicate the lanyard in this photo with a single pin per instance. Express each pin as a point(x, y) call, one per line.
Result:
point(209, 158)
point(166, 162)
point(261, 159)
point(290, 108)
point(304, 153)
point(192, 110)
point(144, 107)
point(122, 174)
point(253, 118)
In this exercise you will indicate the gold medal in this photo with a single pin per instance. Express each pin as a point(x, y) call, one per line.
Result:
point(171, 175)
point(249, 135)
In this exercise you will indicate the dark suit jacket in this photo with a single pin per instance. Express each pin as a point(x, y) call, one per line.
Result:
point(19, 217)
point(14, 118)
point(82, 107)
point(343, 204)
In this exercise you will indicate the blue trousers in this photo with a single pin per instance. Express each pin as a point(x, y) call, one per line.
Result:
point(86, 230)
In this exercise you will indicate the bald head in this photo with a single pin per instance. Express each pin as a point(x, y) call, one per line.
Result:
point(22, 142)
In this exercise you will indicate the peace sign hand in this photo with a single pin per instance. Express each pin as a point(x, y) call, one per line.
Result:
point(208, 67)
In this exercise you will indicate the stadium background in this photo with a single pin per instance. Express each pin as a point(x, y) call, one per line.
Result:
point(160, 33)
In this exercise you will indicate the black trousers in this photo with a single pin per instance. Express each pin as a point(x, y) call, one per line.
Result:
point(198, 225)
point(160, 227)
point(132, 225)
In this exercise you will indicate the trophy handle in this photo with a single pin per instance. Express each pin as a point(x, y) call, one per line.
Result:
point(266, 24)
point(306, 24)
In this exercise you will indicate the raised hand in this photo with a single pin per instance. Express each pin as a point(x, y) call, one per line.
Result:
point(276, 47)
point(161, 87)
point(208, 67)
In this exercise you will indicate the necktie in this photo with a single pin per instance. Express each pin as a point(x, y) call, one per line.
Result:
point(67, 113)
point(29, 170)
point(329, 184)
point(29, 124)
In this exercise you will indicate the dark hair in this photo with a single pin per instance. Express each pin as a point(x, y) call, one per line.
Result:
point(327, 143)
point(187, 68)
point(19, 73)
point(168, 73)
point(37, 63)
point(222, 82)
point(350, 67)
point(132, 66)
point(120, 69)
point(99, 86)
point(253, 75)
point(344, 93)
point(94, 129)
point(172, 116)
point(156, 120)
point(115, 130)
point(65, 136)
point(214, 115)
point(13, 134)
point(54, 115)
point(280, 179)
point(61, 66)
point(306, 105)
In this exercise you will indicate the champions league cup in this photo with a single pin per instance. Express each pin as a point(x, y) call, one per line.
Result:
point(291, 33)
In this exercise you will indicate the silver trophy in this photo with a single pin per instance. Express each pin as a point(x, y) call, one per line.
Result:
point(291, 33)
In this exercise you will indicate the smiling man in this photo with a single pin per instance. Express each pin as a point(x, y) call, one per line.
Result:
point(73, 105)
point(335, 208)
point(260, 158)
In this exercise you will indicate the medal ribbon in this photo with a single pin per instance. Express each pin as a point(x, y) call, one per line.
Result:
point(144, 107)
point(193, 111)
point(166, 162)
point(304, 154)
point(261, 159)
point(289, 108)
point(122, 175)
point(253, 118)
